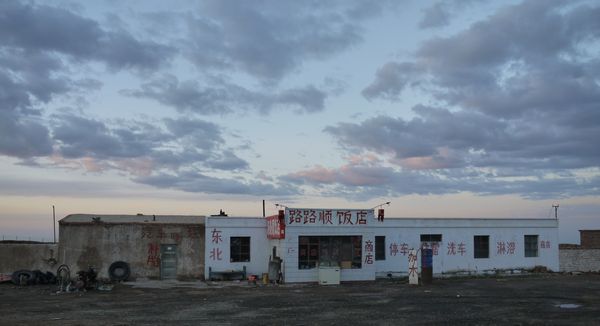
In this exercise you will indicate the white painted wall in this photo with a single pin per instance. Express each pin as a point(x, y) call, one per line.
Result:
point(395, 230)
point(290, 248)
point(447, 262)
point(227, 227)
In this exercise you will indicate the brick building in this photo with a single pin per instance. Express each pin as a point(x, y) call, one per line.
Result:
point(590, 239)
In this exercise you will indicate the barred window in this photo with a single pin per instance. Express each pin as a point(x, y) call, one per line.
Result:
point(239, 249)
point(481, 246)
point(531, 246)
point(379, 247)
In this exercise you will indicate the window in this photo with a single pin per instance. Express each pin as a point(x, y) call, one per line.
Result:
point(342, 251)
point(531, 246)
point(379, 248)
point(431, 238)
point(239, 249)
point(481, 246)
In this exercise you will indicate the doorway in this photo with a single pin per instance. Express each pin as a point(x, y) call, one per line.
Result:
point(168, 262)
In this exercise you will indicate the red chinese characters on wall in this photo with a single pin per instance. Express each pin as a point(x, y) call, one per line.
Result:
point(156, 232)
point(216, 237)
point(412, 264)
point(153, 259)
point(456, 248)
point(369, 252)
point(434, 246)
point(545, 244)
point(215, 254)
point(193, 232)
point(393, 249)
point(398, 249)
point(505, 248)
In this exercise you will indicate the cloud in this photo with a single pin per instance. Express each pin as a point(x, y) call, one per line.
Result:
point(223, 97)
point(437, 15)
point(440, 13)
point(23, 137)
point(391, 79)
point(516, 97)
point(173, 145)
point(270, 39)
point(37, 28)
point(164, 155)
point(193, 181)
point(228, 161)
point(41, 48)
point(368, 181)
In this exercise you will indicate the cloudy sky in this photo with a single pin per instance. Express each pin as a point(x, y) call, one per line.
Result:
point(465, 108)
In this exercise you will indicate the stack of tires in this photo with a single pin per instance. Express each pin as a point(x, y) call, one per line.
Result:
point(27, 277)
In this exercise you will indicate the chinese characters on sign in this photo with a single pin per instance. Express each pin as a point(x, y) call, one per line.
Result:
point(295, 216)
point(545, 244)
point(275, 227)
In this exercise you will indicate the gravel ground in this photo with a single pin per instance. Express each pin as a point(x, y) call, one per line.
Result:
point(535, 299)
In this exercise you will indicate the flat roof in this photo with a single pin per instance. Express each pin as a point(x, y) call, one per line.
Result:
point(130, 219)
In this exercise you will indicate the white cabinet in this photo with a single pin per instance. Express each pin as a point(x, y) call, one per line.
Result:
point(329, 275)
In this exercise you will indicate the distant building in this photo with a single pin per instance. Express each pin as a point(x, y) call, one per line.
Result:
point(584, 257)
point(590, 239)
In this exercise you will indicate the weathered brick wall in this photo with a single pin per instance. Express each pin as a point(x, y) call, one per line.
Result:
point(579, 260)
point(590, 239)
point(16, 256)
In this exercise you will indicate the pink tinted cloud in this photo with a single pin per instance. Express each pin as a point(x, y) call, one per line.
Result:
point(136, 166)
point(318, 174)
point(444, 159)
point(349, 174)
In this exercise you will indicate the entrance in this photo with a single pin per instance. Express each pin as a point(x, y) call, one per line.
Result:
point(168, 262)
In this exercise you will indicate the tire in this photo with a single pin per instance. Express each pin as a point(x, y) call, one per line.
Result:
point(38, 277)
point(27, 276)
point(50, 277)
point(119, 271)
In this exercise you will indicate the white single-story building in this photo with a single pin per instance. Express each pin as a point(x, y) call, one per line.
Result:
point(365, 246)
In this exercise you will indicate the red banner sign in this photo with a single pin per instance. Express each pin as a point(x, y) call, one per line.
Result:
point(275, 226)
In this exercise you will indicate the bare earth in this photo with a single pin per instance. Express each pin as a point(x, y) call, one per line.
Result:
point(537, 299)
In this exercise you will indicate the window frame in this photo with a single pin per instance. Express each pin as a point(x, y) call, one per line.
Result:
point(236, 251)
point(480, 250)
point(531, 251)
point(329, 249)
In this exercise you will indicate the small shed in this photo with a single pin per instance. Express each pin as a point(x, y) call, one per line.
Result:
point(154, 246)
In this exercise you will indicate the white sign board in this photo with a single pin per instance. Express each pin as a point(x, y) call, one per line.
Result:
point(327, 217)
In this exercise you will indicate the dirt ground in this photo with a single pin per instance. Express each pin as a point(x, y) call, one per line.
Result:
point(537, 299)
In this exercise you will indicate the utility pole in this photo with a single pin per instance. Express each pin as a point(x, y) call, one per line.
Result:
point(555, 211)
point(54, 222)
